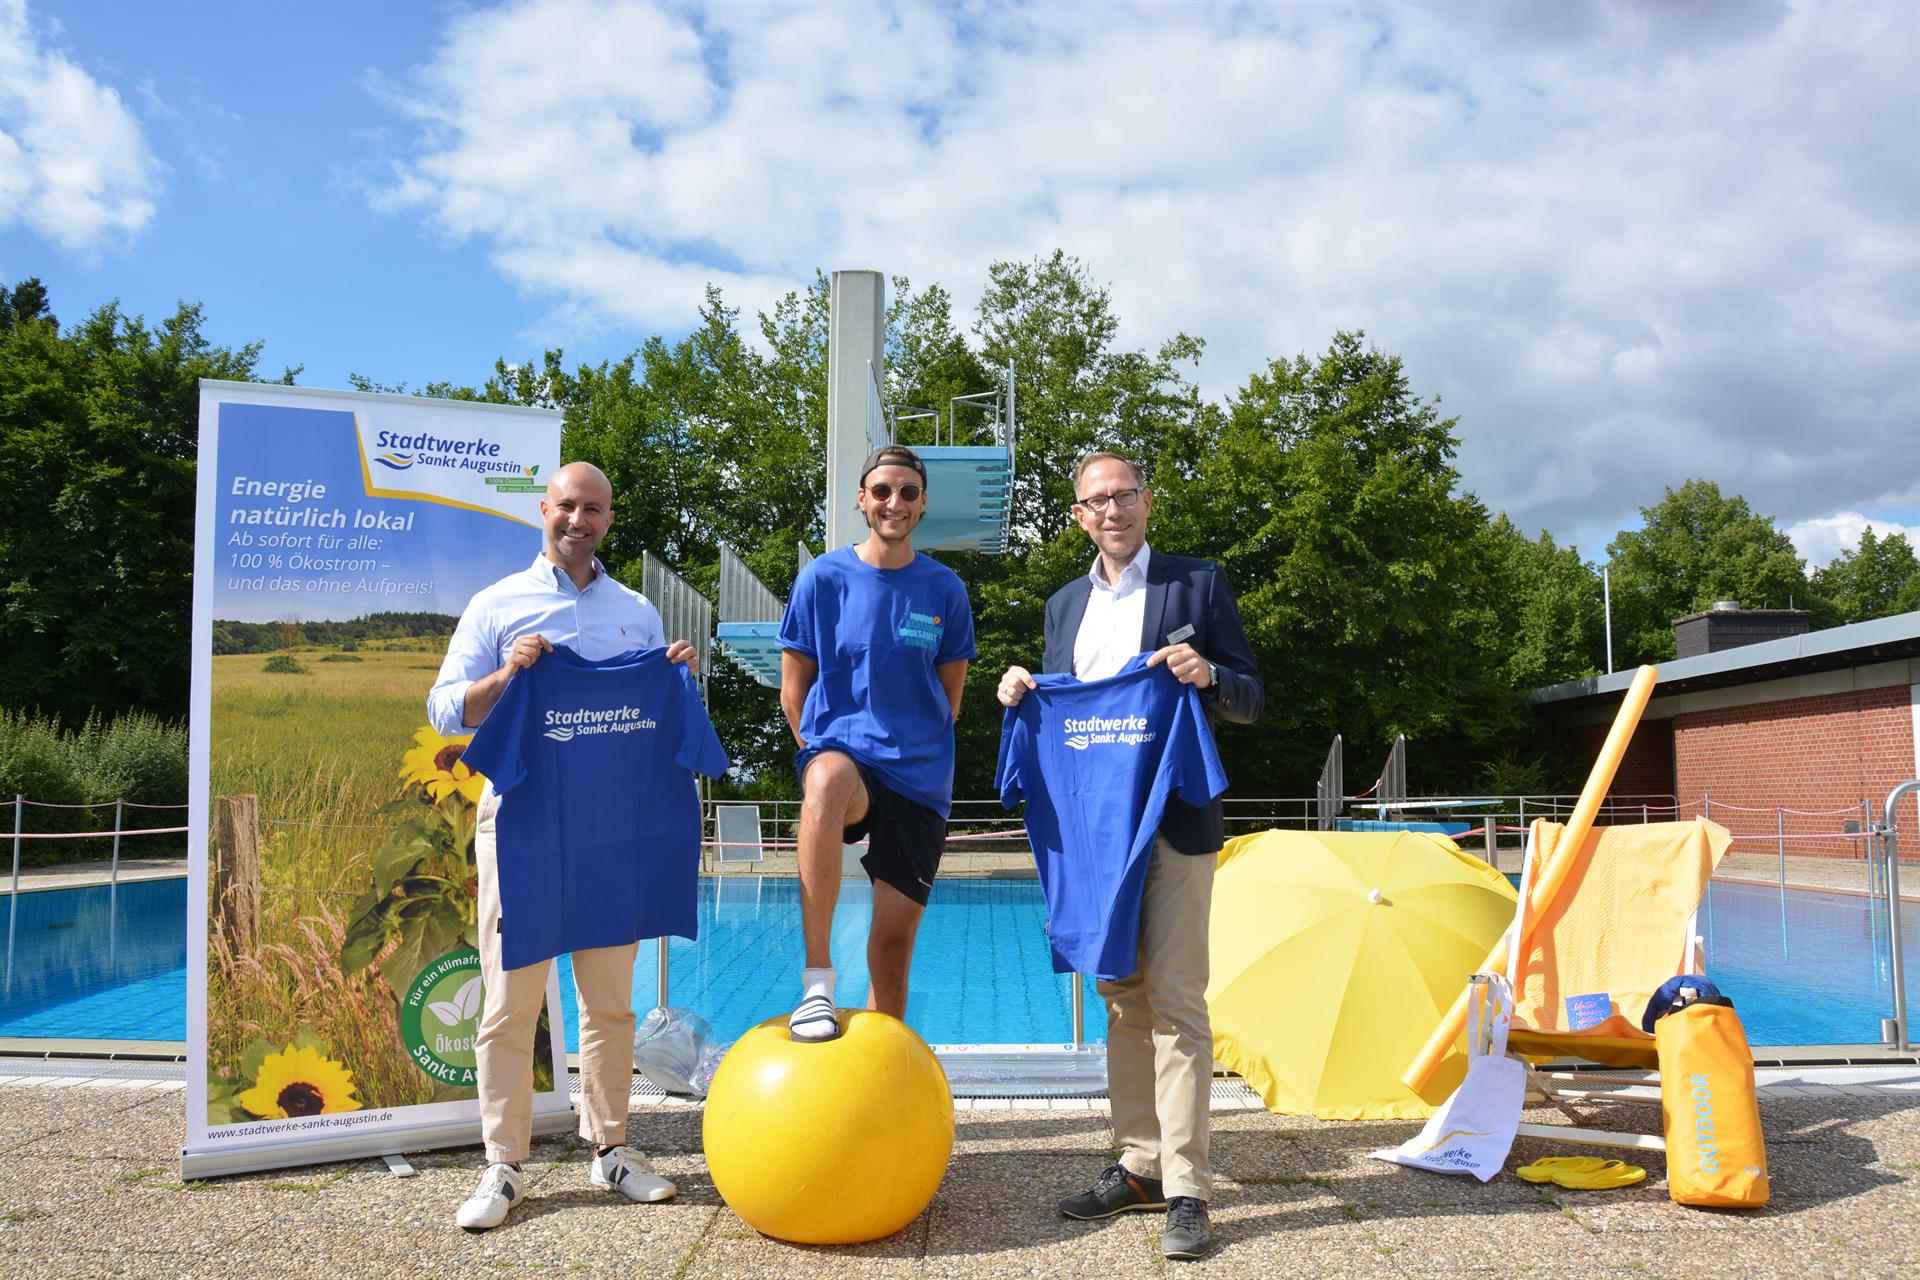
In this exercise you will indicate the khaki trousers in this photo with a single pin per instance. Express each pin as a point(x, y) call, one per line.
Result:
point(510, 1015)
point(1159, 1037)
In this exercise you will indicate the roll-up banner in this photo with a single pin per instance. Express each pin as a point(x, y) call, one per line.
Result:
point(333, 985)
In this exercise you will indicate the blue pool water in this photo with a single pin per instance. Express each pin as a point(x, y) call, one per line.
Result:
point(981, 971)
point(97, 963)
point(1804, 968)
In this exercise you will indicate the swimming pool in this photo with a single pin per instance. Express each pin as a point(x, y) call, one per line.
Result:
point(97, 963)
point(1806, 967)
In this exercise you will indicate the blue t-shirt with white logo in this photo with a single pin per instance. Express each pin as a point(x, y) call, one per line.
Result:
point(598, 832)
point(880, 636)
point(1095, 761)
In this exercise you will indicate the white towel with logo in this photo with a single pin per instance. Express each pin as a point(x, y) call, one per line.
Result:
point(1473, 1131)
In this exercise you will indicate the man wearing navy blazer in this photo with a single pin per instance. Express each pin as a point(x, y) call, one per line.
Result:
point(1159, 1039)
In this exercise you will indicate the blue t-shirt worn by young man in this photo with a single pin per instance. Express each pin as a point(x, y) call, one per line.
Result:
point(880, 637)
point(1095, 762)
point(597, 838)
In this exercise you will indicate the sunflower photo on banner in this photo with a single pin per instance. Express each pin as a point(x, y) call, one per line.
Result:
point(333, 978)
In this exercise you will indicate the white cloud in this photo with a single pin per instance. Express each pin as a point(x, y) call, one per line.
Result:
point(74, 165)
point(1628, 244)
point(1821, 539)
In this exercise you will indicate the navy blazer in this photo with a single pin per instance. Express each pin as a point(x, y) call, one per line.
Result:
point(1181, 592)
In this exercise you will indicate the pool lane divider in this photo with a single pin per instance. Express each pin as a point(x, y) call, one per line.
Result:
point(1546, 884)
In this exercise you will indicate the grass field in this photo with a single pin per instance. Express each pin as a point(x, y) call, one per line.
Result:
point(322, 750)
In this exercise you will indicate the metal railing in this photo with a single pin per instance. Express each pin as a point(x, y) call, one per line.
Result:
point(984, 838)
point(1889, 832)
point(743, 597)
point(685, 614)
point(21, 835)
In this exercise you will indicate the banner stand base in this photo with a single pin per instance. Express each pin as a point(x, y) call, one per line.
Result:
point(278, 1153)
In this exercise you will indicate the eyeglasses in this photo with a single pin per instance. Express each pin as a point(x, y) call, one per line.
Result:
point(1098, 503)
point(881, 491)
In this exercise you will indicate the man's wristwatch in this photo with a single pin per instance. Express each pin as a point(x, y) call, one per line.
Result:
point(1213, 680)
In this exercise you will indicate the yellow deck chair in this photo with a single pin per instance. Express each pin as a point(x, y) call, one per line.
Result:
point(1622, 924)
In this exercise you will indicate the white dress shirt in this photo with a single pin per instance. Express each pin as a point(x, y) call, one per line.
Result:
point(1116, 614)
point(597, 621)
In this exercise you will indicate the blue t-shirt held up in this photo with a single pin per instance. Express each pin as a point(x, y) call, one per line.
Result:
point(598, 832)
point(880, 637)
point(1095, 762)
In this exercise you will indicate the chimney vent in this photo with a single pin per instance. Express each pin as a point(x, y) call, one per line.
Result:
point(1728, 626)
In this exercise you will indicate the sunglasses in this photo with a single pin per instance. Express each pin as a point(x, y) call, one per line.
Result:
point(881, 491)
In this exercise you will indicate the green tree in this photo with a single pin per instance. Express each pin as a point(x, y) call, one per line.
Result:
point(98, 432)
point(1876, 579)
point(1546, 608)
point(1329, 494)
point(1695, 547)
point(1078, 389)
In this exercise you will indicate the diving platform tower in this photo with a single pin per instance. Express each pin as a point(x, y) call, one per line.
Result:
point(969, 486)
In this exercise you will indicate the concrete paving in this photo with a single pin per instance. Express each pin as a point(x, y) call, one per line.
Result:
point(88, 1187)
point(74, 875)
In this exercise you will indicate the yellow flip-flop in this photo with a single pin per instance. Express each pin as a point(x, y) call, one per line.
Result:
point(1546, 1167)
point(1610, 1174)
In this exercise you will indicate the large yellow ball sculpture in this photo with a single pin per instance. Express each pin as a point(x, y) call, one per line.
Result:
point(831, 1143)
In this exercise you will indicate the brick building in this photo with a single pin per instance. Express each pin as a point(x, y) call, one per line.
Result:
point(1782, 735)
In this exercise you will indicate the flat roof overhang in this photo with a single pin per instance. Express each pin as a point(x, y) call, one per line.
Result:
point(1856, 645)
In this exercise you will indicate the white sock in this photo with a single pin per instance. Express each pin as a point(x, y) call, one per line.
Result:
point(817, 982)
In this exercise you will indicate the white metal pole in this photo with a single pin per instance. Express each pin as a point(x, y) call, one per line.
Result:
point(19, 807)
point(13, 900)
point(1606, 587)
point(1780, 842)
point(113, 886)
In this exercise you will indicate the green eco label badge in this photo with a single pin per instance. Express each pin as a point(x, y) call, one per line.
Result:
point(440, 1018)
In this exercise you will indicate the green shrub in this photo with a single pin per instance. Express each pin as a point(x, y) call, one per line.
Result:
point(36, 761)
point(342, 657)
point(282, 664)
point(138, 758)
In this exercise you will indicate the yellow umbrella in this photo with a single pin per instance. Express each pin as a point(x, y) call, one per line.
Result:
point(1333, 955)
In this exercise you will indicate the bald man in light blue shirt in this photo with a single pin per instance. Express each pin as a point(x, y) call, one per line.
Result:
point(564, 597)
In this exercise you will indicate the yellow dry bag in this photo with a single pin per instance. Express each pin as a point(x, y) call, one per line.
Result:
point(1715, 1154)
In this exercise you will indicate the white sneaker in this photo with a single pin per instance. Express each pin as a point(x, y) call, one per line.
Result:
point(632, 1175)
point(501, 1187)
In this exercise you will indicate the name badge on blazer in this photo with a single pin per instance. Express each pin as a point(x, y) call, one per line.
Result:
point(1175, 637)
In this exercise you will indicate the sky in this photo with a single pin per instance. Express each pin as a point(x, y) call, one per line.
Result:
point(1626, 244)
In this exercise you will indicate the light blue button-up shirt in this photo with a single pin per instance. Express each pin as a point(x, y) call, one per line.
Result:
point(598, 621)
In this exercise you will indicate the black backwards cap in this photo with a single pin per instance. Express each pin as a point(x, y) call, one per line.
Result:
point(897, 455)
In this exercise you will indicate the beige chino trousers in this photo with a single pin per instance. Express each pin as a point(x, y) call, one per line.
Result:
point(1159, 1036)
point(510, 1015)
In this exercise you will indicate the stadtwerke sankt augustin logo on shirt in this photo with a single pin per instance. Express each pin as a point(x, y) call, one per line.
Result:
point(1094, 731)
point(565, 726)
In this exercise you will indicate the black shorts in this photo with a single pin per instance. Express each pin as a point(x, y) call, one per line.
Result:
point(904, 838)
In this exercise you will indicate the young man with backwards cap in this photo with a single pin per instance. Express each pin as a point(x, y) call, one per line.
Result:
point(874, 652)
